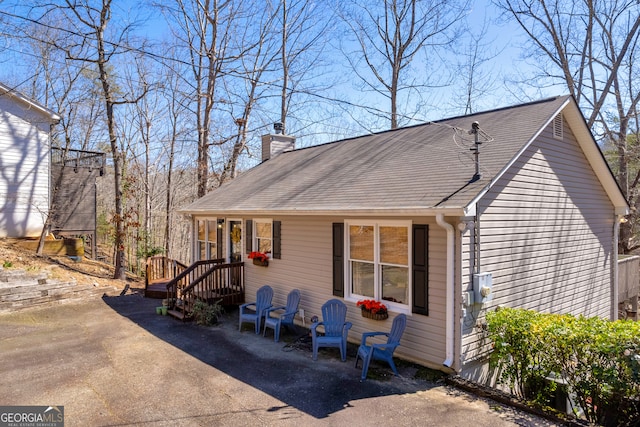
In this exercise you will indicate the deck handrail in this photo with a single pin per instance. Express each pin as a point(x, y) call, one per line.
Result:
point(172, 286)
point(223, 268)
point(162, 267)
point(209, 281)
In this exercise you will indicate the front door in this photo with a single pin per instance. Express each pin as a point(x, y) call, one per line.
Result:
point(235, 241)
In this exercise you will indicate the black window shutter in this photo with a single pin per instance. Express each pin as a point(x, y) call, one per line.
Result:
point(338, 259)
point(248, 240)
point(275, 251)
point(219, 237)
point(420, 270)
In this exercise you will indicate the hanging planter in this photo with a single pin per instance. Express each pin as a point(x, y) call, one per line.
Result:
point(259, 258)
point(372, 309)
point(374, 316)
point(260, 262)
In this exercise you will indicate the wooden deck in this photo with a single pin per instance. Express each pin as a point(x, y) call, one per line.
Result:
point(160, 271)
point(157, 289)
point(212, 281)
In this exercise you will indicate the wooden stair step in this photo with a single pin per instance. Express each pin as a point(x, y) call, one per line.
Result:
point(177, 314)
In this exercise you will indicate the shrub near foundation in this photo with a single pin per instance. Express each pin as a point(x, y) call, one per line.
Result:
point(206, 314)
point(599, 361)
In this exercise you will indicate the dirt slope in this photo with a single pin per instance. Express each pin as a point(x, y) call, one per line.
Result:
point(86, 271)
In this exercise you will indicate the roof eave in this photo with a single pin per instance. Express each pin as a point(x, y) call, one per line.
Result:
point(53, 117)
point(452, 211)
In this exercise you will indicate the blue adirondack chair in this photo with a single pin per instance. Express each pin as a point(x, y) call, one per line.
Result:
point(336, 328)
point(382, 352)
point(258, 308)
point(282, 319)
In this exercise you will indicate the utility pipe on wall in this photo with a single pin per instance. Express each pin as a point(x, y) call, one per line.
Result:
point(450, 291)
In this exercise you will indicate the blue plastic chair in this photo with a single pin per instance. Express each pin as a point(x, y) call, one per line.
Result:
point(336, 328)
point(260, 307)
point(382, 352)
point(282, 319)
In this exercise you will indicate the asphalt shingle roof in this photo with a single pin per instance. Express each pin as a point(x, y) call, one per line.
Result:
point(419, 167)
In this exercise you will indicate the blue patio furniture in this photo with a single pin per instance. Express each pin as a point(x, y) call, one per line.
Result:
point(383, 352)
point(336, 328)
point(258, 308)
point(282, 319)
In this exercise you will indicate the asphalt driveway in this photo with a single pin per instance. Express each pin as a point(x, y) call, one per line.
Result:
point(114, 362)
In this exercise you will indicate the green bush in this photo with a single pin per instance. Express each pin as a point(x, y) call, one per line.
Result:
point(206, 314)
point(599, 360)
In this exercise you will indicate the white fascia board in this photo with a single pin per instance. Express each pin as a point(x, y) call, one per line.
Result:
point(5, 90)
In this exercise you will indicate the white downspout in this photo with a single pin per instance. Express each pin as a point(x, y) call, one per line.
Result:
point(450, 291)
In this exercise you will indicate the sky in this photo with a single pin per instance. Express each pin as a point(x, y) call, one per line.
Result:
point(503, 47)
point(504, 39)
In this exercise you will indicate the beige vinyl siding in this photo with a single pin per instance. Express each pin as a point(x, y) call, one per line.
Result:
point(24, 187)
point(306, 265)
point(547, 237)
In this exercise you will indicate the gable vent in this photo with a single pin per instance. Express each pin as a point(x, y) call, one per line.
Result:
point(557, 127)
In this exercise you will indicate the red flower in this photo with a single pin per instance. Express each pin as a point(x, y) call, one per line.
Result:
point(375, 307)
point(258, 255)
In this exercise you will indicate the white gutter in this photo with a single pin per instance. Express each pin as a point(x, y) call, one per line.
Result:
point(6, 90)
point(450, 291)
point(363, 212)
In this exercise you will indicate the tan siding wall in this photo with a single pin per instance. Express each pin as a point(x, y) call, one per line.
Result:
point(546, 236)
point(306, 265)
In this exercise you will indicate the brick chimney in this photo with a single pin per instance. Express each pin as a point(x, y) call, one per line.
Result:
point(277, 143)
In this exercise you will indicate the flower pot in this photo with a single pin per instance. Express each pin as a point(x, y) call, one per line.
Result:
point(164, 310)
point(374, 316)
point(261, 263)
point(158, 310)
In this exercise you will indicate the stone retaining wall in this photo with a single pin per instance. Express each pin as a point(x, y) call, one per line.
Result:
point(20, 290)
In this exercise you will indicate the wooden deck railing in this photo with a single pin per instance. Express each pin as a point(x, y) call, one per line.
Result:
point(209, 281)
point(160, 270)
point(628, 286)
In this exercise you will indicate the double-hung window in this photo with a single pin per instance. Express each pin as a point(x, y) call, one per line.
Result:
point(207, 238)
point(378, 255)
point(263, 236)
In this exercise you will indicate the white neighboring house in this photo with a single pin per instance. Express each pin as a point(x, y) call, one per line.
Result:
point(25, 159)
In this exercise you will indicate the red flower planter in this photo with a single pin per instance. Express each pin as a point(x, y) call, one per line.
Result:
point(374, 316)
point(261, 263)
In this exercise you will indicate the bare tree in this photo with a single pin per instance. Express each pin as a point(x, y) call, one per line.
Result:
point(305, 28)
point(204, 29)
point(89, 44)
point(591, 47)
point(259, 52)
point(175, 100)
point(391, 36)
point(476, 75)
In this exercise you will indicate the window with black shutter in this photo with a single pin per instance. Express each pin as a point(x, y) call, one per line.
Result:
point(386, 261)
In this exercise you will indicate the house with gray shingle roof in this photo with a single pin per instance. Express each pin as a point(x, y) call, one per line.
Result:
point(441, 221)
